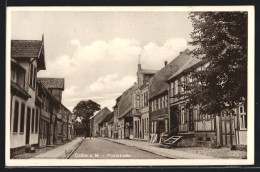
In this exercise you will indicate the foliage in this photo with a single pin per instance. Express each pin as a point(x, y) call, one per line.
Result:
point(84, 110)
point(219, 38)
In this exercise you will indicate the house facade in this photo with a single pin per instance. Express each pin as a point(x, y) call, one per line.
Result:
point(96, 120)
point(199, 129)
point(125, 128)
point(34, 107)
point(27, 58)
point(160, 123)
point(141, 104)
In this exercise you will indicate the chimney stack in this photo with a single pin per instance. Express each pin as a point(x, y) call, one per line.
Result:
point(165, 63)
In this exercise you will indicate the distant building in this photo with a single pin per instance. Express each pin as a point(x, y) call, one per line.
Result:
point(56, 87)
point(96, 120)
point(141, 104)
point(125, 114)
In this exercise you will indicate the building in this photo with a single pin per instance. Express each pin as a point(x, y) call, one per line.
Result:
point(195, 128)
point(103, 124)
point(56, 87)
point(141, 104)
point(96, 120)
point(116, 115)
point(111, 127)
point(27, 58)
point(160, 123)
point(125, 115)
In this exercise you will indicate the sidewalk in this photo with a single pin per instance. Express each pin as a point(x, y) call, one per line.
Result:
point(62, 151)
point(154, 148)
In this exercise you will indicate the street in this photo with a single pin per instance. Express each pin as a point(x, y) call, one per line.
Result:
point(102, 149)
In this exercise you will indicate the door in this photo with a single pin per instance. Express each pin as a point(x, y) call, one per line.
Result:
point(191, 122)
point(28, 122)
point(227, 129)
point(48, 133)
point(174, 120)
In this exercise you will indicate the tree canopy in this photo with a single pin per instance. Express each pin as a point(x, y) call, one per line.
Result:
point(219, 38)
point(84, 110)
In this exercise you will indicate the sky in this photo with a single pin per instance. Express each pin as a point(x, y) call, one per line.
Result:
point(97, 52)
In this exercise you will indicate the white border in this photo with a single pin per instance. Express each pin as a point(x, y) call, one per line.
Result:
point(139, 162)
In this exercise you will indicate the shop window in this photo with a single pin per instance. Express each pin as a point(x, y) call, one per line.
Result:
point(16, 116)
point(22, 118)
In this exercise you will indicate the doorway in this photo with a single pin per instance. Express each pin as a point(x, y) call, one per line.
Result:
point(28, 122)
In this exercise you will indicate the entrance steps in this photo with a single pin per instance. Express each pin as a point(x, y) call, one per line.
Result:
point(171, 141)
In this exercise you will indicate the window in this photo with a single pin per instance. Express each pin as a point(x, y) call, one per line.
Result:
point(176, 86)
point(32, 126)
point(155, 126)
point(172, 89)
point(163, 103)
point(183, 115)
point(22, 118)
point(16, 116)
point(242, 117)
point(159, 100)
point(137, 101)
point(166, 125)
point(146, 99)
point(152, 127)
point(166, 101)
point(33, 73)
point(36, 121)
point(13, 74)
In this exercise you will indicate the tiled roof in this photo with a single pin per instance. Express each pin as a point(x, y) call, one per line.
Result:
point(107, 117)
point(101, 114)
point(125, 102)
point(25, 48)
point(192, 61)
point(157, 81)
point(148, 71)
point(52, 82)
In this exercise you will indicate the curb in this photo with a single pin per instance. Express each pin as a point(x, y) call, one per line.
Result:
point(78, 145)
point(166, 156)
point(147, 150)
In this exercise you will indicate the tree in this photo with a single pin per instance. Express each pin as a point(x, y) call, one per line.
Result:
point(219, 38)
point(84, 110)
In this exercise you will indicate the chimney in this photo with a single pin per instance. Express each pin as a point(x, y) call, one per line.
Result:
point(165, 63)
point(139, 66)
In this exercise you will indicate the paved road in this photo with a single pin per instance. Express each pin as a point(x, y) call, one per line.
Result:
point(103, 149)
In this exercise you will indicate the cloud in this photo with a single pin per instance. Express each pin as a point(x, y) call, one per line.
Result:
point(111, 83)
point(74, 43)
point(102, 70)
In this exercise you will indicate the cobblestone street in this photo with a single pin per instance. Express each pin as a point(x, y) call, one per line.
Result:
point(102, 149)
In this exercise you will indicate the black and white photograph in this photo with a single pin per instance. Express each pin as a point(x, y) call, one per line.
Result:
point(130, 85)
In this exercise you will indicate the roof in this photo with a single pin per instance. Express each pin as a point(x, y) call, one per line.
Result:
point(52, 82)
point(18, 90)
point(156, 83)
point(112, 119)
point(107, 117)
point(125, 103)
point(29, 49)
point(48, 93)
point(148, 71)
point(25, 48)
point(101, 115)
point(191, 62)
